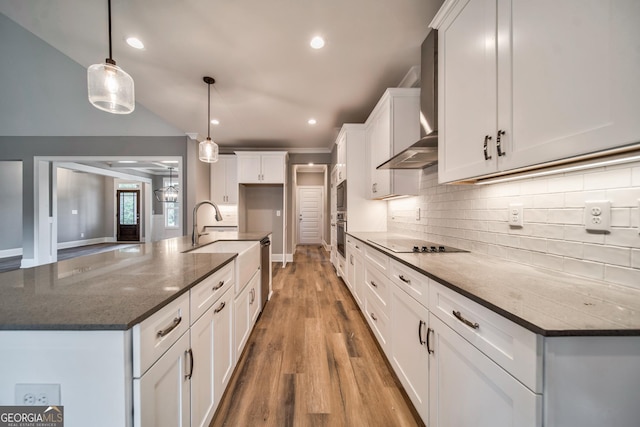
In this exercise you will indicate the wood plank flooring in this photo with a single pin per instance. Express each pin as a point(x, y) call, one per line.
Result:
point(312, 360)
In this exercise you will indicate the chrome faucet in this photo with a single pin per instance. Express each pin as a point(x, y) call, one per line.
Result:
point(195, 235)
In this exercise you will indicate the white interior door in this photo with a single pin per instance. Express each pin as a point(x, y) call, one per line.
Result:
point(309, 210)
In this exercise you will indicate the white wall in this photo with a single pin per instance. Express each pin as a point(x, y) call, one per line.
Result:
point(474, 217)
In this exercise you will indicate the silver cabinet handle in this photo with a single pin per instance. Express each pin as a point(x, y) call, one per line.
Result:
point(469, 323)
point(220, 307)
point(171, 327)
point(218, 286)
point(373, 316)
point(401, 277)
point(487, 138)
point(374, 284)
point(420, 324)
point(429, 350)
point(357, 247)
point(499, 143)
point(351, 257)
point(190, 374)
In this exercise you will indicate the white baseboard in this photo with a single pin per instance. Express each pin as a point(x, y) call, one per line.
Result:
point(278, 258)
point(86, 242)
point(7, 253)
point(28, 263)
point(327, 247)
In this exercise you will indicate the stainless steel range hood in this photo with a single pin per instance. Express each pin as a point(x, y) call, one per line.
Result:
point(425, 151)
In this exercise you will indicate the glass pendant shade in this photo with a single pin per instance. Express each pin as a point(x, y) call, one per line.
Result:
point(208, 151)
point(110, 88)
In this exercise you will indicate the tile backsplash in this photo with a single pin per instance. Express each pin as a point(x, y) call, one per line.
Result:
point(474, 217)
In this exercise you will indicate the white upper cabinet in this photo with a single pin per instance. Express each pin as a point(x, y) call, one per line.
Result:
point(224, 180)
point(523, 83)
point(392, 126)
point(341, 165)
point(262, 167)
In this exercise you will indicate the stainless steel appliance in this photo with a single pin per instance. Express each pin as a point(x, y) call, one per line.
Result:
point(341, 196)
point(341, 232)
point(265, 269)
point(400, 244)
point(424, 152)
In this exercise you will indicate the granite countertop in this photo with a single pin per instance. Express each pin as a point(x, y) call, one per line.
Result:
point(545, 302)
point(111, 290)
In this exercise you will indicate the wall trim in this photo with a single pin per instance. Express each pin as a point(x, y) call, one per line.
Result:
point(278, 258)
point(85, 242)
point(28, 263)
point(7, 253)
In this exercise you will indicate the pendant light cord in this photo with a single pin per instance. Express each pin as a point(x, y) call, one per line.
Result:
point(109, 9)
point(209, 112)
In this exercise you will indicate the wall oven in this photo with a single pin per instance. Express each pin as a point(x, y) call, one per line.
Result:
point(341, 196)
point(341, 230)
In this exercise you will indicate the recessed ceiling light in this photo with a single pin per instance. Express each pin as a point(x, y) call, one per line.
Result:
point(135, 43)
point(317, 42)
point(312, 121)
point(127, 161)
point(310, 164)
point(215, 122)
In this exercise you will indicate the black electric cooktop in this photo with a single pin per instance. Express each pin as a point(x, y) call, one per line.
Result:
point(406, 245)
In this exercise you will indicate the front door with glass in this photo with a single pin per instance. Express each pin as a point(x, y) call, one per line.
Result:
point(128, 215)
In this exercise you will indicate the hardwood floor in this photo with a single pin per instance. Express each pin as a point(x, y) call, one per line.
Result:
point(312, 360)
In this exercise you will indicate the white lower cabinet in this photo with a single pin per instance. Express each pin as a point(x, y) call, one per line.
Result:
point(469, 389)
point(213, 361)
point(409, 352)
point(163, 394)
point(247, 309)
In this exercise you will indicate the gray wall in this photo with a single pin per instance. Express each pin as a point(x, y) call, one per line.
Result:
point(10, 205)
point(310, 178)
point(260, 205)
point(85, 194)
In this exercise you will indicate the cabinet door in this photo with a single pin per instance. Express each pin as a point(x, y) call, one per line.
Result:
point(409, 356)
point(218, 181)
point(231, 180)
point(358, 279)
point(351, 269)
point(566, 101)
point(162, 394)
point(342, 158)
point(466, 388)
point(379, 149)
point(467, 100)
point(273, 169)
point(246, 312)
point(249, 168)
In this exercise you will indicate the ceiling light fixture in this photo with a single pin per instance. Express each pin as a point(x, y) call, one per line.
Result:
point(208, 150)
point(110, 88)
point(312, 121)
point(317, 42)
point(135, 43)
point(168, 194)
point(215, 122)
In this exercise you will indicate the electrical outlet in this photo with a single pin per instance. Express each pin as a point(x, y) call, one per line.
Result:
point(37, 394)
point(81, 235)
point(417, 214)
point(516, 215)
point(597, 215)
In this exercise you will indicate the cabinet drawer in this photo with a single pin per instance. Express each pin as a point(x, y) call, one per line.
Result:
point(377, 259)
point(355, 244)
point(207, 292)
point(378, 319)
point(153, 336)
point(410, 281)
point(516, 349)
point(378, 283)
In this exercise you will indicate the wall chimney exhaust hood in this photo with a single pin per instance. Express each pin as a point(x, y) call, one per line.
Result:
point(424, 152)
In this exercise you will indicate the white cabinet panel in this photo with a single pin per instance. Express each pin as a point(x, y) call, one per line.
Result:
point(261, 167)
point(246, 312)
point(224, 180)
point(469, 389)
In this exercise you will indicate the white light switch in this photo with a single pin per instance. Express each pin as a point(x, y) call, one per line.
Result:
point(597, 215)
point(74, 212)
point(277, 213)
point(515, 215)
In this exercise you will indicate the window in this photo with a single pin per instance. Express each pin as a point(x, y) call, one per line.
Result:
point(171, 210)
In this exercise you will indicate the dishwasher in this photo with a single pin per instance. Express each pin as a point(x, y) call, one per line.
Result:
point(265, 268)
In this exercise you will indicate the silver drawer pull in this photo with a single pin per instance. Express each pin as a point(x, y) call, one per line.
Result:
point(220, 307)
point(401, 277)
point(373, 316)
point(465, 321)
point(218, 286)
point(374, 284)
point(169, 328)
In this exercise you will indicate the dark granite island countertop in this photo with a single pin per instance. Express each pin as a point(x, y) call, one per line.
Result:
point(545, 302)
point(110, 290)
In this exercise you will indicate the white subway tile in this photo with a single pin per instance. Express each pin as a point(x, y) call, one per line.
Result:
point(584, 268)
point(548, 201)
point(507, 240)
point(533, 244)
point(608, 254)
point(549, 231)
point(521, 256)
point(635, 258)
point(534, 215)
point(563, 184)
point(608, 179)
point(623, 237)
point(621, 217)
point(566, 216)
point(550, 262)
point(498, 251)
point(580, 234)
point(576, 199)
point(635, 217)
point(635, 176)
point(534, 186)
point(564, 248)
point(623, 276)
point(623, 197)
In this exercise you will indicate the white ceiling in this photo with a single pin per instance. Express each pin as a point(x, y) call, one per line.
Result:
point(269, 82)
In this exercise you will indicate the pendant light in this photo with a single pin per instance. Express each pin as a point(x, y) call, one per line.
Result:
point(208, 150)
point(110, 87)
point(168, 194)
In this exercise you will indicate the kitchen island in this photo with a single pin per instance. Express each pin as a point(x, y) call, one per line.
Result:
point(77, 323)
